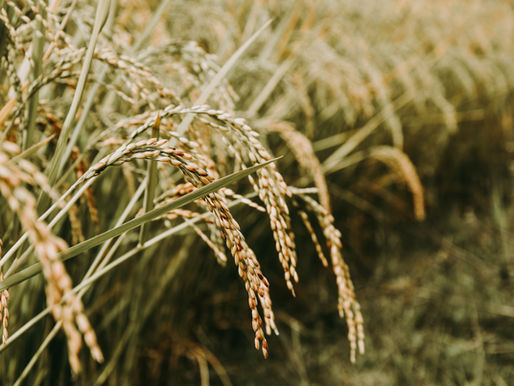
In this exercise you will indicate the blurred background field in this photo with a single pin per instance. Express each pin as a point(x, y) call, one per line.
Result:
point(400, 113)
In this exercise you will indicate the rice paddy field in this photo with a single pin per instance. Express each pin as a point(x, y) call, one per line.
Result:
point(256, 192)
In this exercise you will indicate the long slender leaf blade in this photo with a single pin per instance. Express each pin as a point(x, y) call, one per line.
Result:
point(134, 223)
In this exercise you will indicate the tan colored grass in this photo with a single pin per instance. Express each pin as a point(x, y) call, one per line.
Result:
point(325, 68)
point(348, 306)
point(400, 161)
point(304, 154)
point(329, 67)
point(314, 237)
point(249, 270)
point(65, 305)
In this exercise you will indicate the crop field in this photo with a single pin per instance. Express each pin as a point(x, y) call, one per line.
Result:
point(265, 192)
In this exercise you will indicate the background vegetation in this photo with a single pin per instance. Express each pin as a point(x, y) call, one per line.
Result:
point(395, 116)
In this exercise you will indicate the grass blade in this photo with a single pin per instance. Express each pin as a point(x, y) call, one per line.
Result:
point(151, 172)
point(134, 223)
point(58, 160)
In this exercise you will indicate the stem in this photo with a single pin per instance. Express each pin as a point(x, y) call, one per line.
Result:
point(58, 161)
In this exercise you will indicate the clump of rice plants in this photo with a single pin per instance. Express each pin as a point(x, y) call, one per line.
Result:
point(96, 129)
point(134, 136)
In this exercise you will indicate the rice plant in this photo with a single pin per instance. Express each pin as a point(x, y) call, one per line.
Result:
point(132, 131)
point(70, 115)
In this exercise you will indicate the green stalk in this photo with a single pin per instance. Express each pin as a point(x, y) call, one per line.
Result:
point(151, 172)
point(58, 161)
point(33, 102)
point(93, 92)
